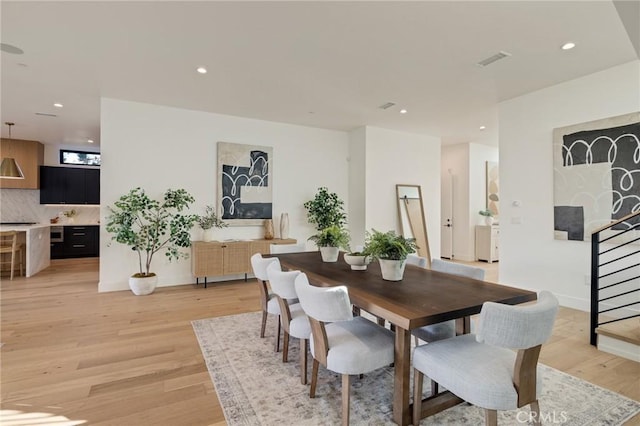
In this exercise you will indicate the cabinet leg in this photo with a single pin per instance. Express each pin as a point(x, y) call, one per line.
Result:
point(205, 282)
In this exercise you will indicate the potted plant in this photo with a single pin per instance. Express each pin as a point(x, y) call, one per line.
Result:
point(488, 216)
point(208, 222)
point(325, 210)
point(358, 260)
point(391, 251)
point(149, 226)
point(331, 240)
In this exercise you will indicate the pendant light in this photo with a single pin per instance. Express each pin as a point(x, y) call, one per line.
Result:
point(9, 168)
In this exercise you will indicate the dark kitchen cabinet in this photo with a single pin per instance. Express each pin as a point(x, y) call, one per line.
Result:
point(66, 185)
point(78, 241)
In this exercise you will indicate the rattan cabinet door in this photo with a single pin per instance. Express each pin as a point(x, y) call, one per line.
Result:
point(236, 257)
point(207, 259)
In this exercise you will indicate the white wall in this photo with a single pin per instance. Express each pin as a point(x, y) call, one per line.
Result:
point(402, 158)
point(157, 148)
point(357, 186)
point(529, 256)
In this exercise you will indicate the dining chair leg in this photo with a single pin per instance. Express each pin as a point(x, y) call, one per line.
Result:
point(535, 409)
point(285, 347)
point(13, 264)
point(434, 388)
point(314, 378)
point(303, 361)
point(490, 417)
point(417, 396)
point(264, 323)
point(278, 336)
point(346, 391)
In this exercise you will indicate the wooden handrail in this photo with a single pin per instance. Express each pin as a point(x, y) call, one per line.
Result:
point(629, 216)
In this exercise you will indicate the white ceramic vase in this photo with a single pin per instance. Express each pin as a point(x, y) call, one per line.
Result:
point(208, 234)
point(488, 220)
point(284, 225)
point(143, 286)
point(392, 270)
point(329, 254)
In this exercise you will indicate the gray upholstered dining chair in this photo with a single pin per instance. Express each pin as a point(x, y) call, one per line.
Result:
point(446, 329)
point(342, 343)
point(287, 248)
point(414, 259)
point(268, 302)
point(294, 321)
point(482, 369)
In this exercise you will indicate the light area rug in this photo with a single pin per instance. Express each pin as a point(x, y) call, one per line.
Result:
point(255, 387)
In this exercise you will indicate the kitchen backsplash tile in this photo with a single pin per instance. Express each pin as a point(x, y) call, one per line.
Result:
point(23, 205)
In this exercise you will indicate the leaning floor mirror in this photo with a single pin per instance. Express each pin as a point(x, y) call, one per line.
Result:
point(412, 219)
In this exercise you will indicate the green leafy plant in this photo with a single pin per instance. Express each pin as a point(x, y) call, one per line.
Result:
point(332, 236)
point(149, 226)
point(325, 210)
point(486, 213)
point(210, 219)
point(388, 245)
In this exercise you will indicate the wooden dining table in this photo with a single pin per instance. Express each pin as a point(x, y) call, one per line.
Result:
point(421, 298)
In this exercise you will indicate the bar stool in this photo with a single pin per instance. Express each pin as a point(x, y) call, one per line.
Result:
point(9, 244)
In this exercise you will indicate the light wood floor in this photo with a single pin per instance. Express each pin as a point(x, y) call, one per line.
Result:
point(118, 359)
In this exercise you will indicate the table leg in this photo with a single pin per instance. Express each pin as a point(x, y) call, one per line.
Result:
point(463, 325)
point(401, 385)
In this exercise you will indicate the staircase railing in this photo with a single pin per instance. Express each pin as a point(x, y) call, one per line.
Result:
point(616, 250)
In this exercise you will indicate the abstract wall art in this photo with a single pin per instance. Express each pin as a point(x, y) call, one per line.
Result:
point(245, 184)
point(596, 175)
point(493, 188)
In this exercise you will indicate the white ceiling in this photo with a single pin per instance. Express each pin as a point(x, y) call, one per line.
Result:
point(320, 64)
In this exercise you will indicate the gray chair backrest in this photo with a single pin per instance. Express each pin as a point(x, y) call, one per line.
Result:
point(414, 259)
point(518, 327)
point(259, 265)
point(283, 283)
point(326, 304)
point(457, 269)
point(287, 248)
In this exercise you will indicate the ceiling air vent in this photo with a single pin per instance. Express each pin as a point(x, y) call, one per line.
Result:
point(387, 105)
point(46, 114)
point(494, 58)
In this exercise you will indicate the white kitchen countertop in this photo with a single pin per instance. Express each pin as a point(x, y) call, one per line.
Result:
point(23, 227)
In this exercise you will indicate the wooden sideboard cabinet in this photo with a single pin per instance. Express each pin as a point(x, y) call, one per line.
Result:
point(487, 242)
point(220, 258)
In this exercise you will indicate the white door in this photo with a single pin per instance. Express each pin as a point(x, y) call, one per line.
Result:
point(446, 213)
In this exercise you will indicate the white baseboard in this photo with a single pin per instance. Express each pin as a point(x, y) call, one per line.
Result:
point(619, 347)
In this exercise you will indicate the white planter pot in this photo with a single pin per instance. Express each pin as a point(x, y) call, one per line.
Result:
point(488, 220)
point(392, 270)
point(329, 254)
point(143, 286)
point(358, 263)
point(208, 235)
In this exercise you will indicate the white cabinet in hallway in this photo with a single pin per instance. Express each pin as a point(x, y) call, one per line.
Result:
point(487, 242)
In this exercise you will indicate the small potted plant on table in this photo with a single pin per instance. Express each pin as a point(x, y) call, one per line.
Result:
point(391, 251)
point(331, 240)
point(488, 216)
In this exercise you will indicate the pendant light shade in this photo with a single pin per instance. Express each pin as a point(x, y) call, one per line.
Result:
point(9, 169)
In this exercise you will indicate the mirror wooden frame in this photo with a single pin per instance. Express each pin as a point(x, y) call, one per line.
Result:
point(411, 215)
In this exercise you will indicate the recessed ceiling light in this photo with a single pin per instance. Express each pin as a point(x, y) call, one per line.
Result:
point(568, 46)
point(90, 140)
point(403, 111)
point(482, 127)
point(58, 105)
point(202, 70)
